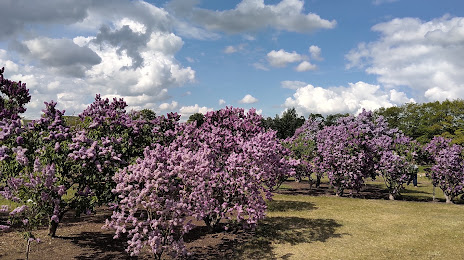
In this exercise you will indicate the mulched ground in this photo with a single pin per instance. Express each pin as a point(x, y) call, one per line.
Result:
point(83, 238)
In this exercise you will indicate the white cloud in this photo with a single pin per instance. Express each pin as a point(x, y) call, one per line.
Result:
point(221, 102)
point(305, 66)
point(315, 52)
point(190, 59)
point(62, 54)
point(248, 99)
point(128, 52)
point(426, 56)
point(398, 97)
point(166, 43)
point(351, 99)
point(252, 15)
point(293, 84)
point(168, 106)
point(187, 111)
point(133, 25)
point(260, 66)
point(281, 58)
point(230, 49)
point(15, 16)
point(248, 37)
point(379, 2)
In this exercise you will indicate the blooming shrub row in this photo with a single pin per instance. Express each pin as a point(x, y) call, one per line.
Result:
point(356, 148)
point(158, 174)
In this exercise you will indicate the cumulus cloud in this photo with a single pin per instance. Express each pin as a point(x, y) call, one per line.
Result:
point(231, 49)
point(379, 2)
point(248, 99)
point(62, 54)
point(281, 58)
point(168, 106)
point(221, 102)
point(16, 15)
point(260, 66)
point(127, 52)
point(315, 52)
point(305, 66)
point(252, 15)
point(425, 56)
point(351, 99)
point(293, 84)
point(187, 111)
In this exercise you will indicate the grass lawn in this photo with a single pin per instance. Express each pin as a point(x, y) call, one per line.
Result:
point(301, 226)
point(306, 227)
point(329, 227)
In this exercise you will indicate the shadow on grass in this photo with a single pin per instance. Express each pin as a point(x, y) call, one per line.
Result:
point(99, 246)
point(258, 244)
point(288, 205)
point(102, 214)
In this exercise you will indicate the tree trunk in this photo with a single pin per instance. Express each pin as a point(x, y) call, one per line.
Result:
point(318, 181)
point(54, 225)
point(52, 229)
point(212, 222)
point(391, 196)
point(449, 199)
point(28, 249)
point(433, 197)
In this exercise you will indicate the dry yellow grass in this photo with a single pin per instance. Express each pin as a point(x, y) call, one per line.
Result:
point(305, 227)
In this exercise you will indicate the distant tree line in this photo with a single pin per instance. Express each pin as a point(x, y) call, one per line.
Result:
point(424, 121)
point(290, 121)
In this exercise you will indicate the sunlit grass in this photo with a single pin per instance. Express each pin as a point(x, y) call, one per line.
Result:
point(327, 227)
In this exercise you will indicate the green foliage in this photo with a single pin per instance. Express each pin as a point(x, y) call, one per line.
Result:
point(424, 121)
point(147, 114)
point(285, 125)
point(199, 118)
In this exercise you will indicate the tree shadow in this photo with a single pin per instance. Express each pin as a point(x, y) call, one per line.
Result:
point(289, 205)
point(295, 230)
point(258, 244)
point(99, 245)
point(102, 213)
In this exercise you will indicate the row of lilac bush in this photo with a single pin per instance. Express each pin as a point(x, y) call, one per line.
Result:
point(357, 148)
point(157, 174)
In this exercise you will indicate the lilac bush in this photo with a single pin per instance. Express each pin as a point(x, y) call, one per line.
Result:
point(303, 146)
point(396, 156)
point(153, 203)
point(13, 98)
point(363, 147)
point(223, 169)
point(241, 162)
point(108, 139)
point(346, 152)
point(447, 171)
point(35, 170)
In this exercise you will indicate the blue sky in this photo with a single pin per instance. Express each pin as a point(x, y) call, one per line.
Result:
point(192, 56)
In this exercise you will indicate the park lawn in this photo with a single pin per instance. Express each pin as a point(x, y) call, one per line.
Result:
point(302, 226)
point(328, 227)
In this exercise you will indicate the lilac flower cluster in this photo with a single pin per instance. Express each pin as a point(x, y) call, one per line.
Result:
point(353, 149)
point(37, 176)
point(219, 170)
point(14, 96)
point(303, 146)
point(447, 171)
